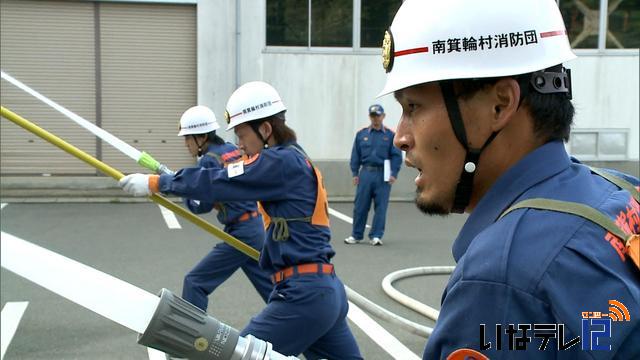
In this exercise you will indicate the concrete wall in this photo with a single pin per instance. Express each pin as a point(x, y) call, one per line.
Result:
point(605, 93)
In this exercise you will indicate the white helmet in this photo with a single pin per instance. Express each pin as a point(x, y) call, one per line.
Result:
point(457, 39)
point(198, 120)
point(251, 101)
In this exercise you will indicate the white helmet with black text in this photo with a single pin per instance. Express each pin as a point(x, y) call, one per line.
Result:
point(198, 120)
point(460, 39)
point(251, 101)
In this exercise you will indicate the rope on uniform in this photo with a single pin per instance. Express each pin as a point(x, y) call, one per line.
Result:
point(413, 304)
point(281, 228)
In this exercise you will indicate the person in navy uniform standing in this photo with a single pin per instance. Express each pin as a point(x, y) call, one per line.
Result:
point(372, 146)
point(550, 245)
point(241, 219)
point(306, 312)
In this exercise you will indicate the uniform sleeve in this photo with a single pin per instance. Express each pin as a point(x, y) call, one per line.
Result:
point(263, 179)
point(355, 158)
point(396, 160)
point(470, 304)
point(197, 206)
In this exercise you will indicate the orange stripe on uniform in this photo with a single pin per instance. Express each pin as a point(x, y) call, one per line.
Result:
point(466, 354)
point(251, 159)
point(226, 156)
point(154, 183)
point(265, 217)
point(321, 211)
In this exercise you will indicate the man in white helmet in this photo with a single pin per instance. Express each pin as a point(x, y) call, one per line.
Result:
point(307, 310)
point(486, 107)
point(241, 219)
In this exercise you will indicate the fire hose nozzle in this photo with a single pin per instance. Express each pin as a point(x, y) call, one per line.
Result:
point(152, 164)
point(182, 330)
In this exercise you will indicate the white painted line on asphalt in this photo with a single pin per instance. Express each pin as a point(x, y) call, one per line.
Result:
point(379, 335)
point(108, 296)
point(3, 205)
point(375, 331)
point(11, 315)
point(156, 354)
point(342, 216)
point(169, 218)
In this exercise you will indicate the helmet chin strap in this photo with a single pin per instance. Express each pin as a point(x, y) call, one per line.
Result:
point(195, 139)
point(465, 183)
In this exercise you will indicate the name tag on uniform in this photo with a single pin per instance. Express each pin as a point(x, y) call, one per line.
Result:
point(235, 169)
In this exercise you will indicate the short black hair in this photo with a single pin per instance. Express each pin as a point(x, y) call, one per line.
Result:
point(552, 113)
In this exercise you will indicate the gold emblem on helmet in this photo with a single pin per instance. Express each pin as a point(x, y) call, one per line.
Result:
point(387, 51)
point(227, 116)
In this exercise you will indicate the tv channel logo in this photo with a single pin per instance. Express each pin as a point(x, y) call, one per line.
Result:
point(596, 326)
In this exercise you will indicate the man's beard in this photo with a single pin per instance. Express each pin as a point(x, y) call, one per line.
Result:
point(430, 208)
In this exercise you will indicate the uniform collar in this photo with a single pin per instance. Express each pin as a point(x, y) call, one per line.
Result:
point(537, 166)
point(209, 149)
point(288, 143)
point(382, 129)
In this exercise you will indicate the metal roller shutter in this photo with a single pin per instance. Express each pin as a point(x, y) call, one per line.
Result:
point(135, 79)
point(148, 78)
point(48, 45)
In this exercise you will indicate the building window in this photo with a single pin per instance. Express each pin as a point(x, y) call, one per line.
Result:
point(288, 22)
point(585, 24)
point(375, 18)
point(599, 144)
point(623, 24)
point(330, 26)
point(329, 23)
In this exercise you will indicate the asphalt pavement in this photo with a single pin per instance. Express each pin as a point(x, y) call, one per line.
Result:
point(132, 241)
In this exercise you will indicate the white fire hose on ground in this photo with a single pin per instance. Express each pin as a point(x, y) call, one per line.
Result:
point(413, 304)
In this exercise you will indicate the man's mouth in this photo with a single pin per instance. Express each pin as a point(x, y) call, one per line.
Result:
point(409, 163)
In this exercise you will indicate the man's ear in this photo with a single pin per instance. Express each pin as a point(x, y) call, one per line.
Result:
point(506, 98)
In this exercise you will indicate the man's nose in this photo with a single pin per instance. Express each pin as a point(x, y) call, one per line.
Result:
point(402, 139)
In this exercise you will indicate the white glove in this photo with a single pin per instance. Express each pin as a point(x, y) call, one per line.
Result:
point(136, 184)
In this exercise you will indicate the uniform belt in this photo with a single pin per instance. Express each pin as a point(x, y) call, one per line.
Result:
point(303, 269)
point(372, 168)
point(246, 216)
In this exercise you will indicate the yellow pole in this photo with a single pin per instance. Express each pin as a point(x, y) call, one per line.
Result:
point(108, 170)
